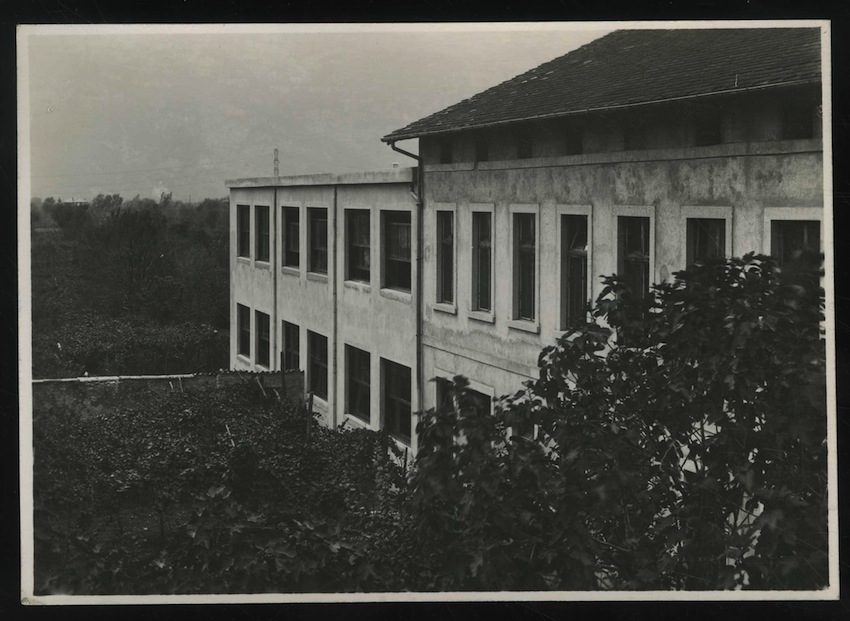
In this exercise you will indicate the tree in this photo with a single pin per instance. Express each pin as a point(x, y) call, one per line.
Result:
point(681, 443)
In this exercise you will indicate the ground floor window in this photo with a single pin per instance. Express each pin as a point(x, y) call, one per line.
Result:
point(633, 253)
point(291, 346)
point(789, 237)
point(358, 366)
point(396, 399)
point(263, 340)
point(706, 239)
point(317, 372)
point(243, 328)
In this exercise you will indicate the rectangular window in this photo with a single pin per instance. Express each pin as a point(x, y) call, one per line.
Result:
point(357, 237)
point(290, 223)
point(706, 239)
point(291, 346)
point(524, 146)
point(789, 237)
point(318, 235)
point(264, 344)
point(482, 235)
point(396, 250)
point(261, 213)
point(243, 230)
point(317, 371)
point(396, 388)
point(524, 268)
point(358, 374)
point(482, 150)
point(574, 295)
point(445, 257)
point(633, 253)
point(243, 320)
point(446, 152)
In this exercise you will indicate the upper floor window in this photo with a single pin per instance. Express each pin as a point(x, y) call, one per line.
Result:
point(263, 340)
point(318, 236)
point(445, 256)
point(706, 239)
point(243, 329)
point(357, 237)
point(397, 250)
point(446, 154)
point(482, 237)
point(396, 401)
point(243, 230)
point(574, 295)
point(317, 371)
point(358, 366)
point(291, 236)
point(789, 237)
point(291, 345)
point(633, 253)
point(524, 146)
point(524, 266)
point(261, 213)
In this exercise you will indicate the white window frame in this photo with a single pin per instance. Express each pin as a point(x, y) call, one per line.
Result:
point(482, 315)
point(712, 212)
point(308, 249)
point(445, 307)
point(790, 213)
point(641, 211)
point(394, 293)
point(573, 210)
point(365, 285)
point(525, 324)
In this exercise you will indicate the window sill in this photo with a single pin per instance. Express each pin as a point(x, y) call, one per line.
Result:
point(397, 295)
point(483, 316)
point(443, 307)
point(243, 358)
point(317, 277)
point(402, 443)
point(290, 271)
point(356, 420)
point(320, 404)
point(357, 285)
point(263, 265)
point(524, 325)
point(243, 260)
point(261, 368)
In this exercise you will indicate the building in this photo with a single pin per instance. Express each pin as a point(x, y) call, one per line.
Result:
point(637, 154)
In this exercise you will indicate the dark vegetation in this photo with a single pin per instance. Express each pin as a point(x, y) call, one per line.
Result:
point(135, 287)
point(680, 446)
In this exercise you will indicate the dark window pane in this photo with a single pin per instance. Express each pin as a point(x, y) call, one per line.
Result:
point(318, 240)
point(397, 391)
point(317, 354)
point(481, 259)
point(524, 269)
point(445, 256)
point(291, 346)
point(262, 217)
point(291, 236)
point(243, 226)
point(573, 269)
point(358, 245)
point(706, 239)
point(789, 237)
point(633, 253)
point(243, 319)
point(263, 340)
point(397, 250)
point(358, 373)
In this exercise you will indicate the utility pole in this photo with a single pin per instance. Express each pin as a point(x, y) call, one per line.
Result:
point(276, 165)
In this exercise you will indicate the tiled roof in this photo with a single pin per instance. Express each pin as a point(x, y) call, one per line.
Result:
point(632, 67)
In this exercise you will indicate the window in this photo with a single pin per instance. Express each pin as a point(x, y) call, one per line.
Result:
point(798, 119)
point(477, 402)
point(243, 230)
point(633, 253)
point(291, 235)
point(317, 371)
point(357, 233)
point(263, 340)
point(261, 213)
point(789, 237)
point(358, 371)
point(396, 400)
point(397, 250)
point(524, 268)
point(243, 320)
point(524, 146)
point(707, 128)
point(318, 230)
point(573, 142)
point(291, 346)
point(706, 239)
point(482, 150)
point(445, 257)
point(574, 296)
point(481, 260)
point(446, 152)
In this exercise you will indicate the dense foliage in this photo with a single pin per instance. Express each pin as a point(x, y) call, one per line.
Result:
point(129, 287)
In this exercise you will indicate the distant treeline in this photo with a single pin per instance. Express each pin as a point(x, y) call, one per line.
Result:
point(133, 265)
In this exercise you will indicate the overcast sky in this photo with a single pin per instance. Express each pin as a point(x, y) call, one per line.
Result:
point(147, 113)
